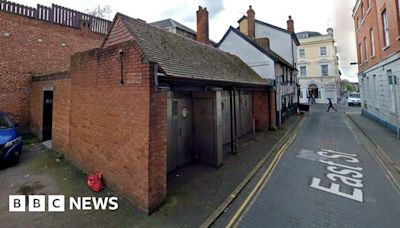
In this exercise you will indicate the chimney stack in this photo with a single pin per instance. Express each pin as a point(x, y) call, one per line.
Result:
point(202, 25)
point(290, 24)
point(251, 23)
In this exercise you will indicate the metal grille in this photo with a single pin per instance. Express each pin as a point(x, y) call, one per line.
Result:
point(57, 14)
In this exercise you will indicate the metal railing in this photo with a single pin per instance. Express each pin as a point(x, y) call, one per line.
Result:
point(58, 15)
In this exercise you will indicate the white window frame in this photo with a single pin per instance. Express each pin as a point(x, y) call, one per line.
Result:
point(371, 34)
point(386, 36)
point(304, 52)
point(368, 91)
point(320, 51)
point(389, 74)
point(369, 6)
point(306, 71)
point(376, 91)
point(366, 48)
point(321, 73)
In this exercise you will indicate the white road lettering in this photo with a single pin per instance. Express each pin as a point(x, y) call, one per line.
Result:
point(353, 182)
point(339, 173)
point(337, 152)
point(334, 188)
point(335, 156)
point(340, 165)
point(334, 169)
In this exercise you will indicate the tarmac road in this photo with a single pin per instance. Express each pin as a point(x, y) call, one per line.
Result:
point(326, 178)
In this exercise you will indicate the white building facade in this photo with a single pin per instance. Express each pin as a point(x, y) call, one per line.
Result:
point(278, 64)
point(318, 67)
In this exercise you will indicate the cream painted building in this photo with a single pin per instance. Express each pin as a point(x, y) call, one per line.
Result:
point(318, 67)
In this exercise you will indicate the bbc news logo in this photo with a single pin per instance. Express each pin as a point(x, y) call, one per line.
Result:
point(57, 203)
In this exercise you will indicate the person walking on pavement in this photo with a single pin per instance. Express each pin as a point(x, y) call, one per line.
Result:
point(313, 99)
point(330, 105)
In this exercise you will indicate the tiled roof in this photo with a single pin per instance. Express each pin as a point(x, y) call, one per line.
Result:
point(294, 37)
point(182, 57)
point(167, 23)
point(307, 34)
point(268, 52)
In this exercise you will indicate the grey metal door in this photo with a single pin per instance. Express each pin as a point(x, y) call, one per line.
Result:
point(180, 149)
point(185, 132)
point(226, 117)
point(245, 113)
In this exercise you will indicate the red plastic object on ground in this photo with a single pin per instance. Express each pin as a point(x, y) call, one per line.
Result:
point(95, 182)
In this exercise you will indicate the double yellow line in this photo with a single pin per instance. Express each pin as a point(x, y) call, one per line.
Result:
point(267, 174)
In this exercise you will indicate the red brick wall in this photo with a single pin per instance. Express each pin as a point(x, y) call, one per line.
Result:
point(119, 130)
point(22, 55)
point(393, 22)
point(158, 149)
point(61, 104)
point(373, 19)
point(261, 110)
point(272, 98)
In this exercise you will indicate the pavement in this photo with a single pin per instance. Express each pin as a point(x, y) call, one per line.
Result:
point(326, 178)
point(194, 191)
point(381, 136)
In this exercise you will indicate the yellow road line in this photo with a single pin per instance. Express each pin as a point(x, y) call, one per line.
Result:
point(265, 177)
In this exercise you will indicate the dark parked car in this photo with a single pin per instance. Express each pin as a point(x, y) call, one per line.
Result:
point(10, 140)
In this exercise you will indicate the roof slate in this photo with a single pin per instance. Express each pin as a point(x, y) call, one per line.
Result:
point(294, 37)
point(167, 23)
point(307, 34)
point(179, 56)
point(268, 52)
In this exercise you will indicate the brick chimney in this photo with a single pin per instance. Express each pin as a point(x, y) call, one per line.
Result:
point(290, 24)
point(251, 23)
point(202, 25)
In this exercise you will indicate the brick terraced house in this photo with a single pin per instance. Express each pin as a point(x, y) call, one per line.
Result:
point(377, 27)
point(148, 101)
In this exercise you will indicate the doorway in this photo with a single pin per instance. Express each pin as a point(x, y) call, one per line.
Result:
point(47, 115)
point(313, 91)
point(181, 134)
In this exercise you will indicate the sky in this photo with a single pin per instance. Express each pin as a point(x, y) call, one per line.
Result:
point(308, 15)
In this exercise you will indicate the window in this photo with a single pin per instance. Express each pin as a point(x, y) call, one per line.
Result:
point(358, 23)
point(366, 48)
point(324, 70)
point(360, 54)
point(367, 90)
point(322, 51)
point(371, 34)
point(369, 5)
point(376, 96)
point(303, 71)
point(362, 11)
point(391, 80)
point(385, 29)
point(302, 53)
point(398, 15)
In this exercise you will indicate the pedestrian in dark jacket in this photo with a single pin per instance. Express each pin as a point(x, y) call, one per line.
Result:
point(330, 105)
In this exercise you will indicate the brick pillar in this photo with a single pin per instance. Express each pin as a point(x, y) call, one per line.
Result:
point(261, 109)
point(202, 25)
point(272, 99)
point(157, 149)
point(290, 24)
point(251, 20)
